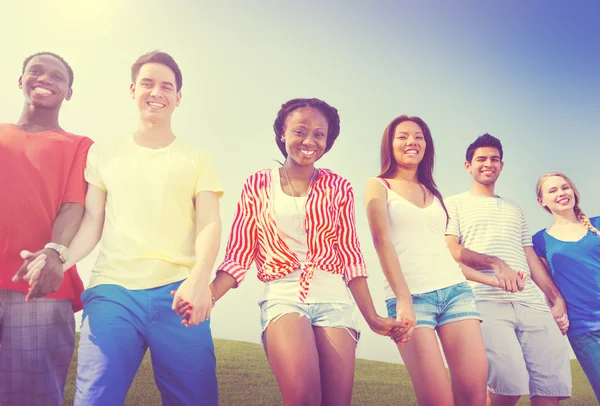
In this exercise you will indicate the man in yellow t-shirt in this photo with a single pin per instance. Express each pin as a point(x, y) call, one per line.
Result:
point(155, 202)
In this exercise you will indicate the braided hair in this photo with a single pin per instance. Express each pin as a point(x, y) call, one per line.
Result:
point(583, 219)
point(330, 113)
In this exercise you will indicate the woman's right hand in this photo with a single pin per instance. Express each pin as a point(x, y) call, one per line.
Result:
point(405, 315)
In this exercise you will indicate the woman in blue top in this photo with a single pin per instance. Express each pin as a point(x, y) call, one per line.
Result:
point(571, 249)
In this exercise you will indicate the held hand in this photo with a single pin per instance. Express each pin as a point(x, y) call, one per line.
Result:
point(559, 312)
point(495, 282)
point(34, 267)
point(386, 326)
point(43, 270)
point(405, 314)
point(509, 280)
point(194, 299)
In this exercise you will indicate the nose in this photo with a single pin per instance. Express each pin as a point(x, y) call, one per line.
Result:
point(44, 79)
point(155, 92)
point(309, 140)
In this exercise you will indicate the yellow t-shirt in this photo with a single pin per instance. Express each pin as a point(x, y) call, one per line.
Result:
point(149, 226)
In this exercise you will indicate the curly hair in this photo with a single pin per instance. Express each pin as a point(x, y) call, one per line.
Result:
point(52, 54)
point(330, 113)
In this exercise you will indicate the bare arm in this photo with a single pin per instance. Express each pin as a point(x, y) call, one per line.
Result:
point(195, 289)
point(540, 274)
point(90, 231)
point(65, 226)
point(470, 258)
point(208, 235)
point(509, 280)
point(477, 276)
point(379, 224)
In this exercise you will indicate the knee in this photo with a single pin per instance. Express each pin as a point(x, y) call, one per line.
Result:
point(471, 397)
point(303, 395)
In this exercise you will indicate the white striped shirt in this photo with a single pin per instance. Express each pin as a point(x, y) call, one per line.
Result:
point(497, 227)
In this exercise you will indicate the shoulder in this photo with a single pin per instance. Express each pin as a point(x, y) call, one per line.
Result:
point(539, 237)
point(457, 199)
point(327, 176)
point(259, 179)
point(107, 145)
point(595, 221)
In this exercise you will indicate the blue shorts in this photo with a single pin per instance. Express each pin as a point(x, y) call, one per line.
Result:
point(117, 328)
point(436, 308)
point(587, 350)
point(336, 315)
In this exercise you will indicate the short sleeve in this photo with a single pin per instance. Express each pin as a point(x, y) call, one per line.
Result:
point(539, 244)
point(453, 227)
point(208, 178)
point(76, 185)
point(92, 170)
point(595, 222)
point(525, 235)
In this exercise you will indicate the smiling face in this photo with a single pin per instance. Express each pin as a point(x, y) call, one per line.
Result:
point(305, 134)
point(408, 144)
point(486, 165)
point(155, 92)
point(557, 195)
point(45, 82)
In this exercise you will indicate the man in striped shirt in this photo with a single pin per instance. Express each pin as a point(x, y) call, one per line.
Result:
point(525, 349)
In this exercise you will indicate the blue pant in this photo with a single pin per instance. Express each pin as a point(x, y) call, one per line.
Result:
point(587, 350)
point(119, 325)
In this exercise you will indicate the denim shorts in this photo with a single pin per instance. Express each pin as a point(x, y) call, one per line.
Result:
point(335, 315)
point(587, 350)
point(436, 308)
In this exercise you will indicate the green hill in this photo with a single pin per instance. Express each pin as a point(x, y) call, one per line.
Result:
point(246, 379)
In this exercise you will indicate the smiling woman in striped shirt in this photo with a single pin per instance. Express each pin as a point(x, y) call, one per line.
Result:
point(297, 223)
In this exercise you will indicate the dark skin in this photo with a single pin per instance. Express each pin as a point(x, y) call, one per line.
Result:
point(45, 84)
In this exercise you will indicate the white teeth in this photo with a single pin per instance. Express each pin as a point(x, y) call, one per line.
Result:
point(309, 153)
point(157, 105)
point(411, 152)
point(42, 90)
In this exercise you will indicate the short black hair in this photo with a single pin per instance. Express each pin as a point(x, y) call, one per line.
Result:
point(157, 57)
point(52, 54)
point(330, 113)
point(485, 140)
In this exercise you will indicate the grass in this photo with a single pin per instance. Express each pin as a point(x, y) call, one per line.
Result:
point(246, 379)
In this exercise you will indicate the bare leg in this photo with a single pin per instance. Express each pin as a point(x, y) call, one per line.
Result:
point(426, 368)
point(544, 401)
point(465, 353)
point(502, 400)
point(337, 354)
point(291, 349)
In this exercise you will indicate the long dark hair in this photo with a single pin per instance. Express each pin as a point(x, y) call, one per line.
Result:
point(389, 166)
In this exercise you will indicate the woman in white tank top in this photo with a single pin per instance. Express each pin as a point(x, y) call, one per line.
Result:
point(425, 287)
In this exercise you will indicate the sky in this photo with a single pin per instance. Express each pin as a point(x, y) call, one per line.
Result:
point(526, 72)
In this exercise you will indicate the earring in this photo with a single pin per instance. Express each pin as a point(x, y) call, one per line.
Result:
point(282, 139)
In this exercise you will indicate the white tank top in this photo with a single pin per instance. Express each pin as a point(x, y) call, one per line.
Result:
point(325, 286)
point(418, 235)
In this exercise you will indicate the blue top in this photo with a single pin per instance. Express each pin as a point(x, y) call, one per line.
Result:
point(575, 267)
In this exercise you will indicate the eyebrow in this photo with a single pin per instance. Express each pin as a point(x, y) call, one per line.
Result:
point(150, 80)
point(42, 66)
point(406, 132)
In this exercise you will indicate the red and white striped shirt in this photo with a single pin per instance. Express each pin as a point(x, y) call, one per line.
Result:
point(331, 233)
